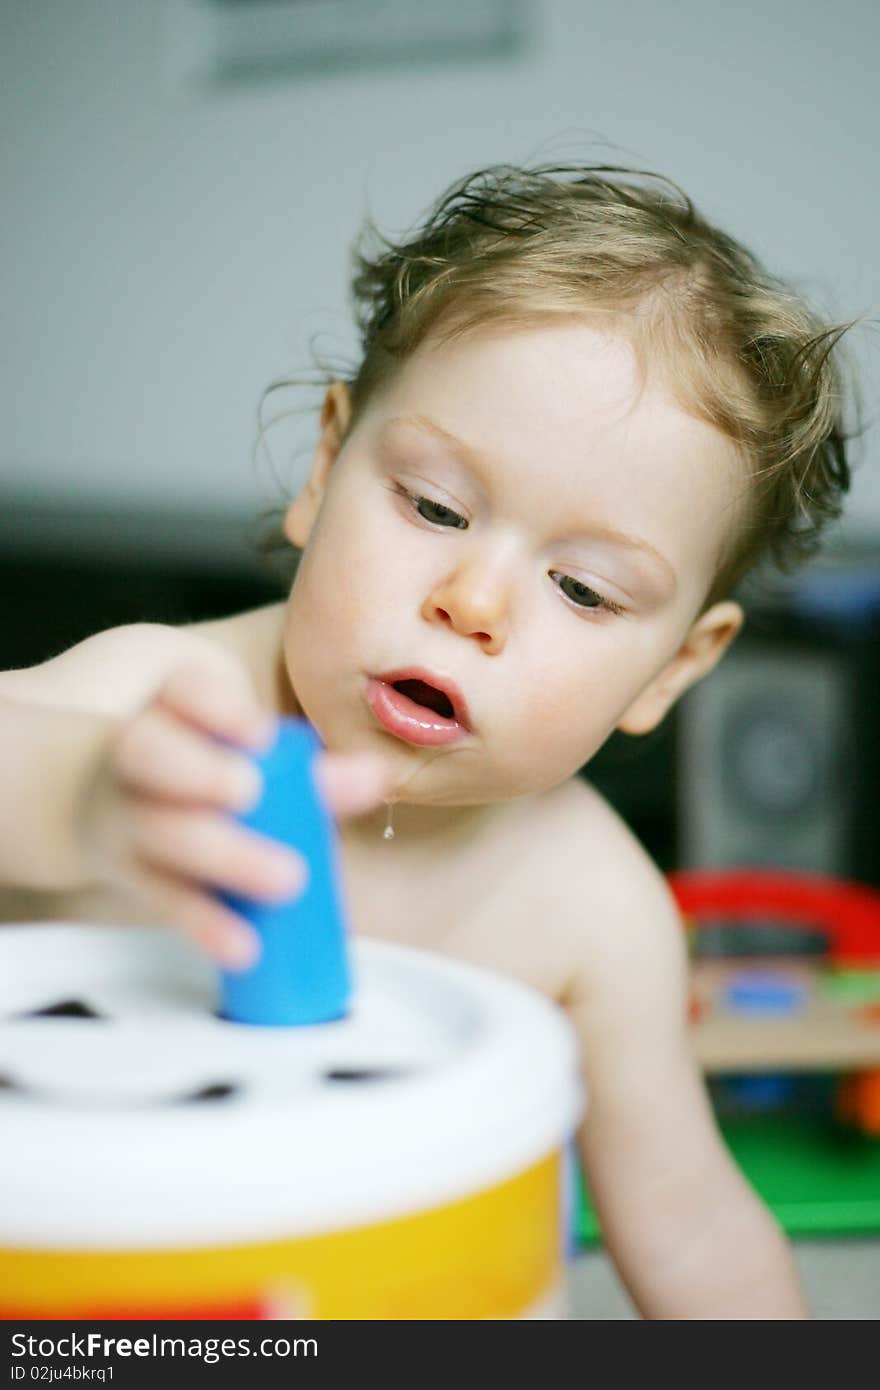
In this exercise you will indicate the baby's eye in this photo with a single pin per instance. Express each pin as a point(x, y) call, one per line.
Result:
point(434, 512)
point(583, 595)
point(440, 515)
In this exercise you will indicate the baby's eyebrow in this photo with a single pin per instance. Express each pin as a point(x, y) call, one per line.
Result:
point(476, 460)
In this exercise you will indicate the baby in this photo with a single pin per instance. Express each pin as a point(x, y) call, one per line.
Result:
point(581, 414)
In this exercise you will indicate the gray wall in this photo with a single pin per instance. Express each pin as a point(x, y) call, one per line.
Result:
point(170, 247)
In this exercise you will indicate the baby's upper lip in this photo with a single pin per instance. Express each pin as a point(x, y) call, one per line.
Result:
point(444, 683)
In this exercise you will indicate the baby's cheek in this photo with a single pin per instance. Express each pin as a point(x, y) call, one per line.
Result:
point(559, 733)
point(532, 760)
point(326, 605)
point(553, 711)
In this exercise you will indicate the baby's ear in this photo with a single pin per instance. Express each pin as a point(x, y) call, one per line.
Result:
point(706, 642)
point(335, 416)
point(335, 419)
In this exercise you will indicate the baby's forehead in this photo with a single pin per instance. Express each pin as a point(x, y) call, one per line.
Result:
point(569, 371)
point(575, 394)
point(563, 386)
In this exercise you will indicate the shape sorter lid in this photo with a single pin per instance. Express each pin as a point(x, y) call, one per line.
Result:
point(133, 1115)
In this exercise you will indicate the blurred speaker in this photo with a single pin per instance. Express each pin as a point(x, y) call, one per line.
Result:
point(778, 747)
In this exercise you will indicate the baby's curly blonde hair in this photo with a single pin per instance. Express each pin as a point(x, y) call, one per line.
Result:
point(736, 346)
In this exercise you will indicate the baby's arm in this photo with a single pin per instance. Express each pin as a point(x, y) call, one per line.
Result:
point(47, 755)
point(687, 1234)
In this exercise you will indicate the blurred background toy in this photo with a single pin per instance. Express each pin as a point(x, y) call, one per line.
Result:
point(785, 1023)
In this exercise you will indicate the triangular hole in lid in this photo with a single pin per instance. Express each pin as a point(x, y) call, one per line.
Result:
point(63, 1008)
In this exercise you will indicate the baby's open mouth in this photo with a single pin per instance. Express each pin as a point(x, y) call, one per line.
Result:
point(412, 707)
point(428, 695)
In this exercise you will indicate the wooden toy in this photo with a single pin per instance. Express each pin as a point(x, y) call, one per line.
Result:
point(783, 1012)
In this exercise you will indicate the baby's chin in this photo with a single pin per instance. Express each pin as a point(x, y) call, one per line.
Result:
point(466, 775)
point(468, 793)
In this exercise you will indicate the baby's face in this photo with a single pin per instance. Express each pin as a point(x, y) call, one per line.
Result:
point(550, 564)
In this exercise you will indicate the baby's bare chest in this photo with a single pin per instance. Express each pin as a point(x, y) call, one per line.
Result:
point(493, 916)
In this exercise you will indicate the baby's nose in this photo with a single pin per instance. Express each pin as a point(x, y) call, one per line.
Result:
point(475, 601)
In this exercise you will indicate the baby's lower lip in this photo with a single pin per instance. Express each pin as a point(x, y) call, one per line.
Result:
point(405, 719)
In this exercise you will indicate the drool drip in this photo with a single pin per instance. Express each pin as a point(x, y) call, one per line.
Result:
point(388, 832)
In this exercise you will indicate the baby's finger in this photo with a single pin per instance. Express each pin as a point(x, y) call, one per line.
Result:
point(202, 919)
point(157, 754)
point(215, 850)
point(219, 698)
point(352, 782)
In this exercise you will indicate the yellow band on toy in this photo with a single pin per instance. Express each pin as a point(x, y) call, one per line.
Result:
point(492, 1255)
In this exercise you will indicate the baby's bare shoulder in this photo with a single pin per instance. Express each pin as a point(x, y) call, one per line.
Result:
point(612, 913)
point(583, 845)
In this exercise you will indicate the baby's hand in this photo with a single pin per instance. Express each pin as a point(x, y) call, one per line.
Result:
point(155, 817)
